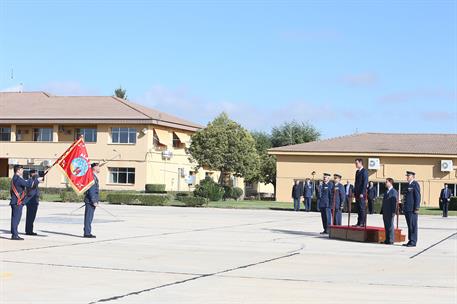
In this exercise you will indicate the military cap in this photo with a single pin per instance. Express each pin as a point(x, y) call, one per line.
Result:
point(94, 164)
point(32, 171)
point(17, 167)
point(326, 174)
point(336, 175)
point(410, 173)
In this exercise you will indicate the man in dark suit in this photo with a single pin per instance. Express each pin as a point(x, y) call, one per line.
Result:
point(371, 196)
point(91, 200)
point(18, 193)
point(31, 201)
point(339, 196)
point(296, 194)
point(307, 194)
point(349, 189)
point(360, 188)
point(445, 198)
point(389, 210)
point(325, 201)
point(411, 207)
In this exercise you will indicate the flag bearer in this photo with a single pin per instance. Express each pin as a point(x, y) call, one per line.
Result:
point(91, 199)
point(32, 198)
point(18, 193)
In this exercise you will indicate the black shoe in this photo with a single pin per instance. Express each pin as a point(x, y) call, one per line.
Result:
point(31, 233)
point(388, 243)
point(16, 238)
point(410, 245)
point(90, 236)
point(407, 244)
point(324, 232)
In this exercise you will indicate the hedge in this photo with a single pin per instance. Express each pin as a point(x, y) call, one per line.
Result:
point(154, 188)
point(452, 203)
point(71, 196)
point(193, 201)
point(5, 183)
point(138, 199)
point(4, 195)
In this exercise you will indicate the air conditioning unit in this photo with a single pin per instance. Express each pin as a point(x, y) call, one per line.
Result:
point(374, 163)
point(446, 166)
point(13, 161)
point(46, 163)
point(167, 154)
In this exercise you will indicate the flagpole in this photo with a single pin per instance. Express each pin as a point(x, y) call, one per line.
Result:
point(64, 154)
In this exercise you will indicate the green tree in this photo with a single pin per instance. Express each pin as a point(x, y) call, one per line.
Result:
point(225, 146)
point(267, 168)
point(291, 133)
point(120, 93)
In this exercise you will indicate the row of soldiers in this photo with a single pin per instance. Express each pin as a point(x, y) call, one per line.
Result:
point(25, 192)
point(332, 196)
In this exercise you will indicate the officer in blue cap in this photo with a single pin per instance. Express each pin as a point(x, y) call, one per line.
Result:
point(91, 199)
point(339, 195)
point(32, 198)
point(325, 194)
point(411, 207)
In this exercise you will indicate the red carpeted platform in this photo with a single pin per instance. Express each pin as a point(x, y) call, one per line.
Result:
point(363, 234)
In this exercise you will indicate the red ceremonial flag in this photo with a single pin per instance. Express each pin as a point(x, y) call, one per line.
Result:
point(75, 164)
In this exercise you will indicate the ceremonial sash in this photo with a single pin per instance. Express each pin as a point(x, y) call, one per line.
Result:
point(20, 197)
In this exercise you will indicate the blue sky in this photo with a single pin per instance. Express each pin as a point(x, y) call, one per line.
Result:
point(379, 66)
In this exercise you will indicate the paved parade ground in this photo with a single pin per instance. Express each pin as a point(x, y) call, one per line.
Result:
point(205, 255)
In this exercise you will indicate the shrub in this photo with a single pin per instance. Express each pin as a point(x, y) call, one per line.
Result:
point(52, 190)
point(194, 201)
point(237, 193)
point(5, 183)
point(71, 196)
point(179, 195)
point(154, 188)
point(209, 189)
point(227, 192)
point(137, 199)
point(4, 195)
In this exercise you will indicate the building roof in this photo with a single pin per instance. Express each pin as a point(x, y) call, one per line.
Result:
point(41, 107)
point(379, 143)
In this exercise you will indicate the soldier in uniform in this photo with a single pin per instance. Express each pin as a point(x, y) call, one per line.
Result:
point(307, 194)
point(411, 207)
point(18, 193)
point(338, 199)
point(32, 198)
point(296, 194)
point(360, 188)
point(371, 191)
point(445, 198)
point(388, 210)
point(91, 199)
point(318, 195)
point(325, 201)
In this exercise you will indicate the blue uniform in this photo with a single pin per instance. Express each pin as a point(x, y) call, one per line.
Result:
point(296, 194)
point(388, 210)
point(445, 195)
point(325, 201)
point(91, 197)
point(16, 202)
point(360, 187)
point(31, 201)
point(410, 207)
point(338, 196)
point(307, 195)
point(371, 196)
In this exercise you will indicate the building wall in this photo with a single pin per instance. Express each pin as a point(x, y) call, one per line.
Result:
point(144, 156)
point(428, 173)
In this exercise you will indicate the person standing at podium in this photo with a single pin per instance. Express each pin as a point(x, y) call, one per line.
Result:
point(388, 211)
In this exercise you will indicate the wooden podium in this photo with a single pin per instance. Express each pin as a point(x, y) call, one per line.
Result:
point(363, 234)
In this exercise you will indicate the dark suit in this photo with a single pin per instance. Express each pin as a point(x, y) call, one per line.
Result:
point(445, 195)
point(371, 196)
point(325, 201)
point(360, 187)
point(338, 198)
point(307, 195)
point(388, 210)
point(296, 194)
point(410, 207)
point(32, 201)
point(16, 202)
point(91, 197)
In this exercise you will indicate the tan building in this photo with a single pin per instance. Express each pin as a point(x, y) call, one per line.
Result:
point(432, 156)
point(148, 146)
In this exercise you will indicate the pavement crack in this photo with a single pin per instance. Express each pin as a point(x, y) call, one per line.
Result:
point(433, 245)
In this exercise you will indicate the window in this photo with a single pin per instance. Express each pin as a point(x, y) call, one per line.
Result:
point(122, 175)
point(90, 134)
point(176, 141)
point(42, 134)
point(5, 134)
point(123, 135)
